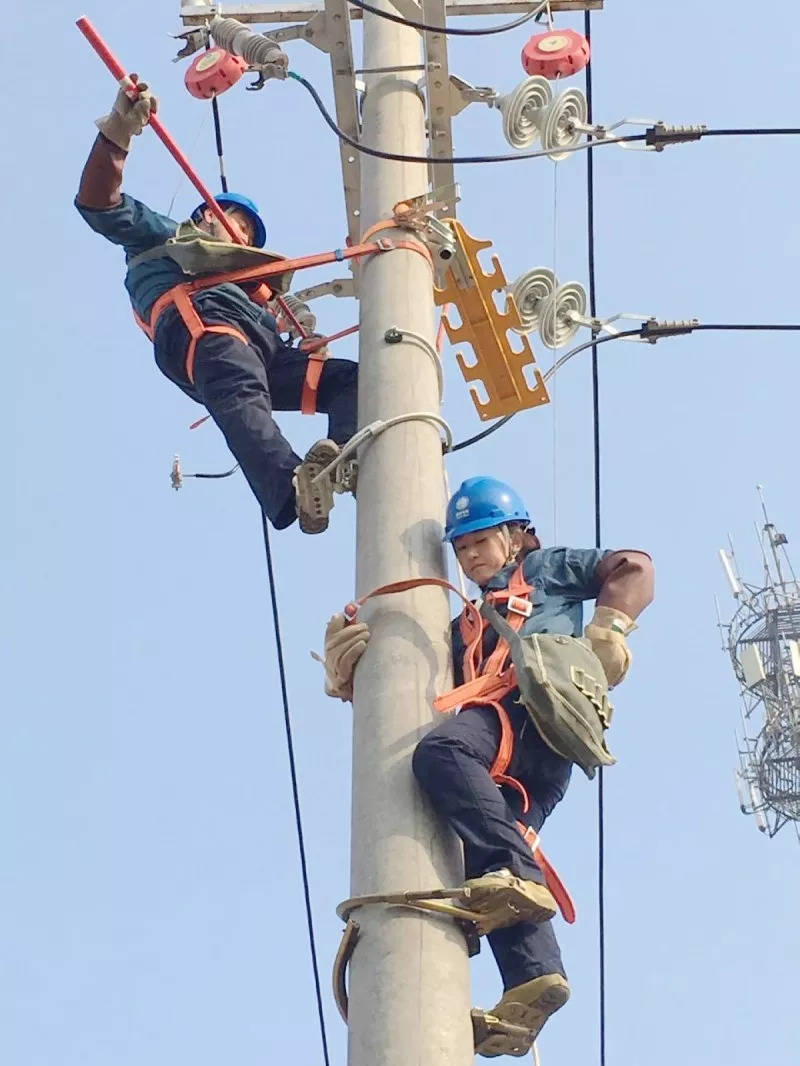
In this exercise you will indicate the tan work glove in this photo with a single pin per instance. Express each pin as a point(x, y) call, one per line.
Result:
point(345, 643)
point(128, 117)
point(607, 634)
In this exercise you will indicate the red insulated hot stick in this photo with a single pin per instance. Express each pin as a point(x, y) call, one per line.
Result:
point(130, 87)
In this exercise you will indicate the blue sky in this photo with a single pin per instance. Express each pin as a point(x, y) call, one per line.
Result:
point(149, 882)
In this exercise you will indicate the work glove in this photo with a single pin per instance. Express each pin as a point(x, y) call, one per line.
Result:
point(345, 643)
point(128, 117)
point(607, 633)
point(311, 344)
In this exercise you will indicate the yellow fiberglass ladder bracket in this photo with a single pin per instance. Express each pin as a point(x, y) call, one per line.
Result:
point(497, 366)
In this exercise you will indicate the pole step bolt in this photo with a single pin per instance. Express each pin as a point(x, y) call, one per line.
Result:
point(556, 54)
point(213, 72)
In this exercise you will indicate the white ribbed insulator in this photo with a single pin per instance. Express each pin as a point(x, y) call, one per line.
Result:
point(530, 290)
point(301, 311)
point(522, 111)
point(239, 40)
point(556, 324)
point(558, 130)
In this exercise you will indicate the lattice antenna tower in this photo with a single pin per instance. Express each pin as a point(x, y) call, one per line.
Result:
point(763, 641)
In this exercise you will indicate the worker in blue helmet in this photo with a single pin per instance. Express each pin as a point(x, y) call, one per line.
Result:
point(240, 208)
point(222, 346)
point(488, 771)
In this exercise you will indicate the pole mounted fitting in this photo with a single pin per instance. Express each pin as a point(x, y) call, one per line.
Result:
point(260, 51)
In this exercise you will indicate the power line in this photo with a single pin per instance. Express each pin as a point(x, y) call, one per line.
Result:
point(276, 622)
point(654, 138)
point(590, 240)
point(756, 327)
point(400, 158)
point(451, 31)
point(287, 719)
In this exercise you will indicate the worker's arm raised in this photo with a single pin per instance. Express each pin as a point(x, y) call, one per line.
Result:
point(626, 580)
point(113, 214)
point(101, 181)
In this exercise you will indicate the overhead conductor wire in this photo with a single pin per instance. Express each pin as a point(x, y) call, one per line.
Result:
point(590, 233)
point(510, 157)
point(287, 719)
point(452, 31)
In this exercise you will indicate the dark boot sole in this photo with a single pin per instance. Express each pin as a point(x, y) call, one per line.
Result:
point(522, 1022)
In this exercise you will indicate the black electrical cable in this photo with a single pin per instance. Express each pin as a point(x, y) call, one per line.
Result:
point(287, 720)
point(223, 180)
point(770, 327)
point(214, 477)
point(787, 131)
point(398, 158)
point(510, 158)
point(778, 327)
point(218, 134)
point(450, 31)
point(590, 235)
point(575, 351)
point(276, 622)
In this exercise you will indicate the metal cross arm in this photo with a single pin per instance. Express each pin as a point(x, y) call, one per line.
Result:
point(196, 13)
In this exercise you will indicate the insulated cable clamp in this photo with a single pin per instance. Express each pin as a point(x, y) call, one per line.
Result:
point(660, 135)
point(653, 330)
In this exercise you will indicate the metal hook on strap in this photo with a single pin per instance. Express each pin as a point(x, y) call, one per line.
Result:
point(340, 964)
point(424, 901)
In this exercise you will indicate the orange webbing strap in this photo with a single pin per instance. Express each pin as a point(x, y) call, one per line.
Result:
point(316, 363)
point(351, 610)
point(179, 296)
point(282, 266)
point(197, 327)
point(489, 681)
point(560, 893)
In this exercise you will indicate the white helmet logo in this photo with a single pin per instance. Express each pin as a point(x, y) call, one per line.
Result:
point(462, 507)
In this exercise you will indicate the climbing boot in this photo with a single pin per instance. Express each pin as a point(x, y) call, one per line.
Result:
point(499, 898)
point(314, 501)
point(514, 1024)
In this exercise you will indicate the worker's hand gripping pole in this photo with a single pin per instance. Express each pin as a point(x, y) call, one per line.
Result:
point(130, 87)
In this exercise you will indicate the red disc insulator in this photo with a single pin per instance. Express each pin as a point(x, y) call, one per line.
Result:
point(212, 72)
point(556, 54)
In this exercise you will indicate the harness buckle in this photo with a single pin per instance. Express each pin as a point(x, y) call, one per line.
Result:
point(520, 605)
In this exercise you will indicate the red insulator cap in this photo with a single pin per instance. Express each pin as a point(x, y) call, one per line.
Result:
point(212, 72)
point(556, 54)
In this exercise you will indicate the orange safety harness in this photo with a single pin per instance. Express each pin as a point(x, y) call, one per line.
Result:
point(180, 296)
point(485, 685)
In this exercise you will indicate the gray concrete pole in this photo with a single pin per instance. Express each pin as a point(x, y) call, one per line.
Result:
point(409, 978)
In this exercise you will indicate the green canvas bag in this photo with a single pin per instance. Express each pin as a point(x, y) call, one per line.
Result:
point(563, 687)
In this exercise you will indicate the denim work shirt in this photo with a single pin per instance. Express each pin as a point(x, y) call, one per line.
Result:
point(562, 578)
point(138, 229)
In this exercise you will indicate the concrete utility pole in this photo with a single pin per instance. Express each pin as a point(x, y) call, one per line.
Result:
point(409, 980)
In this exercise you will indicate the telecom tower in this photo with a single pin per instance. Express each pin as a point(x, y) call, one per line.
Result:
point(763, 641)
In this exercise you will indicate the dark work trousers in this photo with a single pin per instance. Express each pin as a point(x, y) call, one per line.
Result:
point(451, 763)
point(241, 384)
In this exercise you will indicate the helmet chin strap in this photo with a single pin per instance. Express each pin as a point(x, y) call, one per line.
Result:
point(511, 555)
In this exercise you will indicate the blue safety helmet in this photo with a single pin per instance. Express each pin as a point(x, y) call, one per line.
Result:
point(483, 503)
point(235, 199)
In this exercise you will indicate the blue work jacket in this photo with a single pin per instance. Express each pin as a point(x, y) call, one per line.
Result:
point(138, 229)
point(562, 579)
